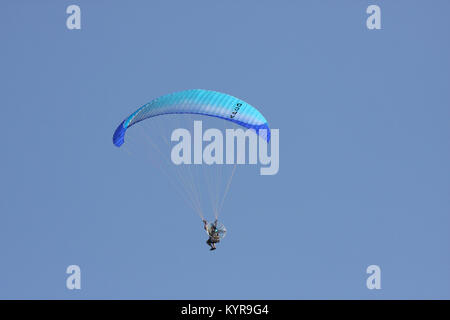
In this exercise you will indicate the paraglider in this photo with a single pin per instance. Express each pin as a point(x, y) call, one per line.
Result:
point(216, 231)
point(197, 101)
point(204, 103)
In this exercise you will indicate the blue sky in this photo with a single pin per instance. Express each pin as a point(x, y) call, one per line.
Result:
point(364, 150)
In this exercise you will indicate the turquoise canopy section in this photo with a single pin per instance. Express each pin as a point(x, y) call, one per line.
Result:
point(198, 101)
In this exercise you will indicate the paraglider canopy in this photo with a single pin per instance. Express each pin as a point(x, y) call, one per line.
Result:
point(198, 101)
